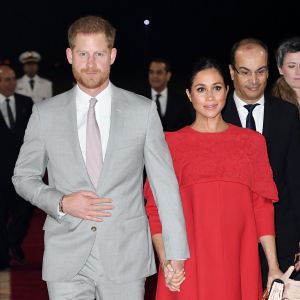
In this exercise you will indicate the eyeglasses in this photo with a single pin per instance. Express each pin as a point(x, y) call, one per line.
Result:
point(246, 73)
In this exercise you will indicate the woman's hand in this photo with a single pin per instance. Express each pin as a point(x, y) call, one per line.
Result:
point(173, 279)
point(274, 273)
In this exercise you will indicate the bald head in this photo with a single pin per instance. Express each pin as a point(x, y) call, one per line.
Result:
point(247, 44)
point(7, 81)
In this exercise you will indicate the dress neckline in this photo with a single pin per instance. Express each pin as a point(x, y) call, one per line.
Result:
point(210, 133)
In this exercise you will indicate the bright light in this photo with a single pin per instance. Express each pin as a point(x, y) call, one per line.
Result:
point(146, 22)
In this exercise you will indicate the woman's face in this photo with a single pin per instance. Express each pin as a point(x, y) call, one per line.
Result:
point(208, 93)
point(291, 69)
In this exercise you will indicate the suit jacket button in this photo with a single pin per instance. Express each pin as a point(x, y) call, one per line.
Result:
point(93, 228)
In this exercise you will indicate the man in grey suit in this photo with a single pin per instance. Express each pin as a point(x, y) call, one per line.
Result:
point(97, 239)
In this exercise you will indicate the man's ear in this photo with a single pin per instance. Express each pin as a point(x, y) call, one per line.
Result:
point(231, 72)
point(69, 55)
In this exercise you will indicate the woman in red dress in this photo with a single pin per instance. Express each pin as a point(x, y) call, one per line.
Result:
point(227, 193)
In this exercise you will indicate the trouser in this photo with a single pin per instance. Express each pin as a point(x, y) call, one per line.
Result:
point(15, 216)
point(92, 283)
point(84, 288)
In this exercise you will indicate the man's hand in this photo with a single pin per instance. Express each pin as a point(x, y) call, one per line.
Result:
point(87, 205)
point(173, 278)
point(177, 265)
point(291, 287)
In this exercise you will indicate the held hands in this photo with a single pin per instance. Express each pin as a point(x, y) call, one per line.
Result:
point(87, 205)
point(174, 274)
point(291, 287)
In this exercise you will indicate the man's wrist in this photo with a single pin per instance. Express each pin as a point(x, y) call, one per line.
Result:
point(61, 205)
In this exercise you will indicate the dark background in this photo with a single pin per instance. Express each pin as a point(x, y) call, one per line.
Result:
point(180, 31)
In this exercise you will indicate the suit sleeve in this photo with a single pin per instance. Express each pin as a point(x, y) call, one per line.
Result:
point(30, 169)
point(293, 167)
point(164, 186)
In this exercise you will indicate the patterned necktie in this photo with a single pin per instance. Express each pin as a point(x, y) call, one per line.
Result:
point(11, 119)
point(31, 82)
point(250, 122)
point(93, 145)
point(158, 104)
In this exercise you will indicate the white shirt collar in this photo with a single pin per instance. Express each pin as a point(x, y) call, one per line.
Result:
point(35, 77)
point(3, 98)
point(163, 93)
point(240, 103)
point(83, 98)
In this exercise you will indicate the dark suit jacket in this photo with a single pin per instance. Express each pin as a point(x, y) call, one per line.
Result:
point(281, 129)
point(12, 140)
point(179, 112)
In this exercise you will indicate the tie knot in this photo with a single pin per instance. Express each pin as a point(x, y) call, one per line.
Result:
point(7, 100)
point(93, 102)
point(157, 97)
point(250, 107)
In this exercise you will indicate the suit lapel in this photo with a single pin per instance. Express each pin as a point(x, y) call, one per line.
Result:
point(71, 114)
point(2, 122)
point(271, 118)
point(116, 126)
point(19, 110)
point(230, 112)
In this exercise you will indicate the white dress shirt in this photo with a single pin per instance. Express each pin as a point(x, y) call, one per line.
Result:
point(103, 112)
point(3, 107)
point(258, 112)
point(163, 99)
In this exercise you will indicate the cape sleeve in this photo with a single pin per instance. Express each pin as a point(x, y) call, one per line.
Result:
point(262, 182)
point(263, 186)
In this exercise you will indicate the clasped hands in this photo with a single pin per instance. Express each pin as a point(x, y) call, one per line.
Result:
point(174, 274)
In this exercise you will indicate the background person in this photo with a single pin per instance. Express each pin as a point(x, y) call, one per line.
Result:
point(287, 86)
point(15, 212)
point(31, 84)
point(278, 121)
point(173, 107)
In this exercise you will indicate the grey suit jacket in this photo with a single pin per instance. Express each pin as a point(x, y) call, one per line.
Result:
point(136, 139)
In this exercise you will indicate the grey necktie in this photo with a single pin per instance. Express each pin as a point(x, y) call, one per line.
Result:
point(11, 119)
point(93, 145)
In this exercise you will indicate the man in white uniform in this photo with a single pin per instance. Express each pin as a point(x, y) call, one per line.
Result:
point(31, 84)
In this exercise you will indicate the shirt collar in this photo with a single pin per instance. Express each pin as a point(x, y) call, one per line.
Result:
point(83, 98)
point(35, 77)
point(240, 103)
point(163, 93)
point(2, 98)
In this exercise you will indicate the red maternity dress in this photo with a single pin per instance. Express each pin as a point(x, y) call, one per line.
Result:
point(227, 193)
